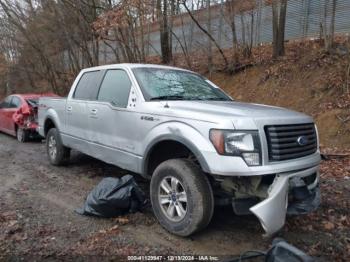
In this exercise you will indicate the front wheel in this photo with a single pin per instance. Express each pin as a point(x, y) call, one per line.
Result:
point(181, 196)
point(57, 153)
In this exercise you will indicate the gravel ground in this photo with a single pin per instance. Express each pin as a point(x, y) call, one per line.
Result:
point(37, 218)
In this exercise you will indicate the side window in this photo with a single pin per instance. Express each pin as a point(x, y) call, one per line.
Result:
point(7, 102)
point(87, 87)
point(16, 102)
point(115, 88)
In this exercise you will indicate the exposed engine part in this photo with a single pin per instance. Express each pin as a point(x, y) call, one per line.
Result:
point(246, 187)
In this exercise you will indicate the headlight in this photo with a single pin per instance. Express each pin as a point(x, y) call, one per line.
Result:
point(245, 144)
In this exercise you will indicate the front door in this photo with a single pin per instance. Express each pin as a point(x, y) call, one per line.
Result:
point(8, 108)
point(112, 121)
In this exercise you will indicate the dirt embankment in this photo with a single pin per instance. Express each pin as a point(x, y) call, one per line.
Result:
point(307, 79)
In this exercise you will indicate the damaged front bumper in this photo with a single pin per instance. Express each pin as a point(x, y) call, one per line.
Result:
point(288, 194)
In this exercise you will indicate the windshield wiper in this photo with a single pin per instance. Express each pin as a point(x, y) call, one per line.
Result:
point(217, 99)
point(168, 97)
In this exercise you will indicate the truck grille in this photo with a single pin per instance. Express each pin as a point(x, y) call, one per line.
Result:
point(290, 141)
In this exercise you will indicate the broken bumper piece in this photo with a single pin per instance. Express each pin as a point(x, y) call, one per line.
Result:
point(285, 195)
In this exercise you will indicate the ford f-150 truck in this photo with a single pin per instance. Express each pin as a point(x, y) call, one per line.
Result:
point(196, 144)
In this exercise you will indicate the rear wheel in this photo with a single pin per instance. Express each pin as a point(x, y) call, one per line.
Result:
point(57, 153)
point(181, 196)
point(22, 135)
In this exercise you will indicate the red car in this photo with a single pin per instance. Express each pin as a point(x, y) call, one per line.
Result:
point(19, 115)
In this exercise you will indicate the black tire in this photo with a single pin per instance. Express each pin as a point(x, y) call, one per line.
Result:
point(200, 200)
point(22, 135)
point(62, 153)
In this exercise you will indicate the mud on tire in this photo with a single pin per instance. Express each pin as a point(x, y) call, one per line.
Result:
point(57, 153)
point(191, 180)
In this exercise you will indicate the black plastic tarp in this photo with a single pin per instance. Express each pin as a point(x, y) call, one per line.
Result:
point(113, 197)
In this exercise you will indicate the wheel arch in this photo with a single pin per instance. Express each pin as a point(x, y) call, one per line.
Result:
point(176, 146)
point(48, 124)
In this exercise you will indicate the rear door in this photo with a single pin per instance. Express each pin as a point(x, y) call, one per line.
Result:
point(77, 121)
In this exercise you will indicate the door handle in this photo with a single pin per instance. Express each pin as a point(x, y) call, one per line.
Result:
point(69, 109)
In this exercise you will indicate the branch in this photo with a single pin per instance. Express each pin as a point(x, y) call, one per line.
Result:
point(183, 49)
point(343, 120)
point(206, 32)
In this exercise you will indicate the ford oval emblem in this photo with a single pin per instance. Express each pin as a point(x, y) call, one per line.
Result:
point(302, 140)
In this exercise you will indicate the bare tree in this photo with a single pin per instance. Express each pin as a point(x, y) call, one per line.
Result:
point(51, 40)
point(164, 28)
point(210, 49)
point(207, 34)
point(122, 29)
point(279, 11)
point(4, 68)
point(17, 19)
point(247, 33)
point(230, 7)
point(328, 30)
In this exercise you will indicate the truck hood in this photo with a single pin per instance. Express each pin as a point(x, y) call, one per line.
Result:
point(240, 115)
point(232, 108)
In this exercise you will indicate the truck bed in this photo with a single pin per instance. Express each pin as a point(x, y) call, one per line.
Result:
point(46, 104)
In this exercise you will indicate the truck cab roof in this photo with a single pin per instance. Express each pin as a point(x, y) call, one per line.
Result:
point(131, 66)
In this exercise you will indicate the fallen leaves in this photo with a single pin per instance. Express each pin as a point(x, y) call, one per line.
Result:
point(328, 225)
point(333, 216)
point(105, 241)
point(113, 229)
point(122, 220)
point(5, 216)
point(13, 227)
point(337, 165)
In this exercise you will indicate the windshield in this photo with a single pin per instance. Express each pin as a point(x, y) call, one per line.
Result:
point(171, 84)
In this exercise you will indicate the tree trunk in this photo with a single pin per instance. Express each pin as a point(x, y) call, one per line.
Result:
point(279, 11)
point(170, 29)
point(210, 53)
point(282, 25)
point(141, 17)
point(275, 28)
point(221, 21)
point(231, 14)
point(332, 25)
point(162, 11)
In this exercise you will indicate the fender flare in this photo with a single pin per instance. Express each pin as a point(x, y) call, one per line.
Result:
point(52, 120)
point(171, 137)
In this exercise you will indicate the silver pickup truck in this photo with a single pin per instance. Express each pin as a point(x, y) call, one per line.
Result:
point(197, 145)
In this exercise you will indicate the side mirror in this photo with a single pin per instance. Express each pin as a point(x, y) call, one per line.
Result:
point(282, 251)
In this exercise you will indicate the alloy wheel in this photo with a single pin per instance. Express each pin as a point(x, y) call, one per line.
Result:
point(172, 198)
point(52, 147)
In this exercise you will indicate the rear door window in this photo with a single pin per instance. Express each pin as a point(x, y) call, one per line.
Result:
point(87, 87)
point(115, 88)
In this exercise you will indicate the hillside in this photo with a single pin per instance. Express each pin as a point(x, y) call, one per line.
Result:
point(307, 80)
